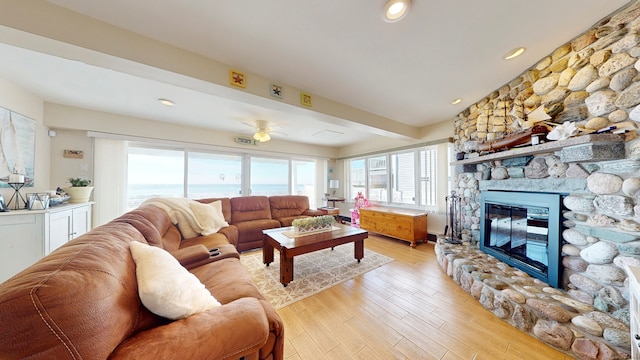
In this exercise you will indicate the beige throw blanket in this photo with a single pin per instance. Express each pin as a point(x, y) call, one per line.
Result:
point(192, 218)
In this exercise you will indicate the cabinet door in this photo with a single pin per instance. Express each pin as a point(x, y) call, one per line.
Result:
point(20, 243)
point(81, 221)
point(60, 229)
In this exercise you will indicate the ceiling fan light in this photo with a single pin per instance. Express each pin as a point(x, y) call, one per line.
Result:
point(261, 136)
point(395, 10)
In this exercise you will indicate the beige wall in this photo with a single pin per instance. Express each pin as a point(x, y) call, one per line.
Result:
point(63, 168)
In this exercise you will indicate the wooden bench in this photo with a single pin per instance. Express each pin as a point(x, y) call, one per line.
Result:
point(407, 225)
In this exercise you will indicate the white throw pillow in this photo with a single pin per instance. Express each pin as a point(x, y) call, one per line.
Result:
point(165, 287)
point(209, 215)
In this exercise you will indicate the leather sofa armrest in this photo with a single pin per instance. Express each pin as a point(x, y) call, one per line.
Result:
point(190, 255)
point(230, 331)
point(231, 232)
point(312, 212)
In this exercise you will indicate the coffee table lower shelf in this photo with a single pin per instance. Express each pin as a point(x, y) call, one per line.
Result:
point(291, 247)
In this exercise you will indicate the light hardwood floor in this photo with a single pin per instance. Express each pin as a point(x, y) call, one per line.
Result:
point(407, 309)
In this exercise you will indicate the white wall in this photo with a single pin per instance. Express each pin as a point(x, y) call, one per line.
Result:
point(21, 101)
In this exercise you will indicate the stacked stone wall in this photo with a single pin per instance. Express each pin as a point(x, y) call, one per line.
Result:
point(592, 81)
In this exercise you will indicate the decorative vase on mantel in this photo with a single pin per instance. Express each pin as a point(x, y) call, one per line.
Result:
point(80, 191)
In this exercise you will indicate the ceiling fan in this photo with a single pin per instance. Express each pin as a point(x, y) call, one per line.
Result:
point(262, 130)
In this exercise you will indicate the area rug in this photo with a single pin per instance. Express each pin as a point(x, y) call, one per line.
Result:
point(312, 272)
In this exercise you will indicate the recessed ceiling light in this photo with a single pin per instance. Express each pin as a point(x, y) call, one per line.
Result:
point(166, 102)
point(514, 53)
point(395, 10)
point(456, 101)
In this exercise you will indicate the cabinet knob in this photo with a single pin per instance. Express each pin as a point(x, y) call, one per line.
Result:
point(636, 336)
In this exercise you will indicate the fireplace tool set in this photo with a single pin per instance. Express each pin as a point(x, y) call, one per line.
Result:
point(452, 231)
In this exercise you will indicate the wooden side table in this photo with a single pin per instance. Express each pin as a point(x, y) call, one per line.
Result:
point(333, 200)
point(331, 211)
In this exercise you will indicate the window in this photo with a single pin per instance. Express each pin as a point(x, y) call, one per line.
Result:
point(403, 178)
point(356, 178)
point(154, 172)
point(428, 181)
point(269, 176)
point(303, 179)
point(378, 178)
point(214, 175)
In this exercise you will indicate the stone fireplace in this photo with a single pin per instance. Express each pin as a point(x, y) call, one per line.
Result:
point(592, 81)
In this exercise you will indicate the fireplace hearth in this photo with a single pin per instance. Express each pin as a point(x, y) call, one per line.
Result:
point(523, 229)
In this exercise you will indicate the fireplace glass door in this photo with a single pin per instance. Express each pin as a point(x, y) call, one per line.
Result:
point(521, 233)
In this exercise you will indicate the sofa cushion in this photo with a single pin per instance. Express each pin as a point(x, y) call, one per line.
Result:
point(288, 220)
point(152, 222)
point(288, 205)
point(165, 287)
point(248, 208)
point(210, 241)
point(210, 216)
point(251, 232)
point(226, 206)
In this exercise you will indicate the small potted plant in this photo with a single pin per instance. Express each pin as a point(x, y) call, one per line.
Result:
point(80, 191)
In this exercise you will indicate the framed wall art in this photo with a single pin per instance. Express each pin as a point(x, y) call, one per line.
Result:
point(73, 154)
point(276, 91)
point(236, 78)
point(17, 147)
point(305, 99)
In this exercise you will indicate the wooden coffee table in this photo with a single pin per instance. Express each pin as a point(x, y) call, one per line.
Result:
point(291, 247)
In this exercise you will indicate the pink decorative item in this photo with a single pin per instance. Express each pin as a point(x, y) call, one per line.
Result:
point(360, 202)
point(355, 218)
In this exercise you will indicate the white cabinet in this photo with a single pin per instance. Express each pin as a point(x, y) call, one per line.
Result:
point(28, 235)
point(21, 242)
point(634, 309)
point(67, 224)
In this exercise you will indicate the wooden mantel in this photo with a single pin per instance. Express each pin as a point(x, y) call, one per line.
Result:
point(547, 147)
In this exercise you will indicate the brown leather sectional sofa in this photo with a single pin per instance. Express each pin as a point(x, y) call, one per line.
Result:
point(249, 215)
point(82, 301)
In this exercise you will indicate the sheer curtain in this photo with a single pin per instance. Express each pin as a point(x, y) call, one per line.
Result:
point(110, 179)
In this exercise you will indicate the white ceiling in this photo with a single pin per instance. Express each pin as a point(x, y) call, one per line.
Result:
point(408, 72)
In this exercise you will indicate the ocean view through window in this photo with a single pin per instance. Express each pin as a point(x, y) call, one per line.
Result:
point(156, 172)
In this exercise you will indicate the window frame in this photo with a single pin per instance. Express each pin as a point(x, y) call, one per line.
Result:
point(417, 177)
point(245, 158)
